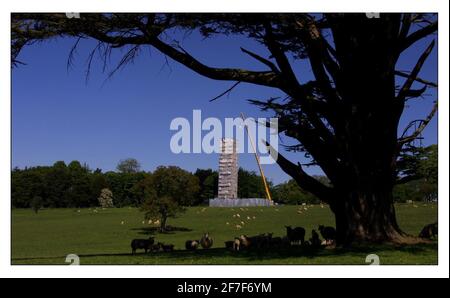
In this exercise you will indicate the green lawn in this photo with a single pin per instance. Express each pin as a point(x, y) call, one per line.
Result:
point(103, 236)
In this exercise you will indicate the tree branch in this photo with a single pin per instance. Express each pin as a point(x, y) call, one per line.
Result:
point(305, 181)
point(108, 31)
point(406, 25)
point(267, 62)
point(407, 179)
point(225, 92)
point(264, 78)
point(417, 35)
point(413, 93)
point(280, 56)
point(413, 75)
point(320, 59)
point(421, 127)
point(319, 49)
point(417, 79)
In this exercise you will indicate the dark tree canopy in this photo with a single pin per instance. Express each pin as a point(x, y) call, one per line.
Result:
point(419, 175)
point(346, 119)
point(60, 186)
point(168, 191)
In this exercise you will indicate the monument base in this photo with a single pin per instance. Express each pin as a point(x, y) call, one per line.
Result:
point(251, 202)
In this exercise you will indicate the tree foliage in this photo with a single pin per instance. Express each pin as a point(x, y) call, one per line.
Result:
point(105, 199)
point(77, 186)
point(129, 165)
point(250, 185)
point(73, 186)
point(419, 180)
point(168, 191)
point(208, 180)
point(291, 194)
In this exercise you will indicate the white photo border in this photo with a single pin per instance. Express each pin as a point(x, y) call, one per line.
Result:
point(211, 271)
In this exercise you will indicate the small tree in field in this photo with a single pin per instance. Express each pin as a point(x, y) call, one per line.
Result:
point(106, 198)
point(163, 208)
point(168, 190)
point(36, 204)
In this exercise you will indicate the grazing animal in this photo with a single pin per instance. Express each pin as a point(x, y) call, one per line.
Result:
point(295, 235)
point(429, 231)
point(167, 247)
point(229, 245)
point(192, 244)
point(233, 244)
point(263, 240)
point(315, 240)
point(236, 244)
point(258, 242)
point(285, 242)
point(157, 247)
point(328, 233)
point(145, 244)
point(244, 242)
point(206, 241)
point(276, 242)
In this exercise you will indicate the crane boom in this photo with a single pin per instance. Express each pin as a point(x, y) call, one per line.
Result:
point(266, 187)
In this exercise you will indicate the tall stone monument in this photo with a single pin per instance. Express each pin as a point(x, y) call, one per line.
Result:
point(228, 170)
point(227, 195)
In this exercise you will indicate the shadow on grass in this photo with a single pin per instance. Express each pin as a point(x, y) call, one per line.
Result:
point(296, 252)
point(155, 230)
point(178, 256)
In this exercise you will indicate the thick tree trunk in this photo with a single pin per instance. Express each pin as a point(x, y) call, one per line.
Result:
point(367, 132)
point(366, 216)
point(163, 223)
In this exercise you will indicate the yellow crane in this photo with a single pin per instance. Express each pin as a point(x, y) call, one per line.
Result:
point(266, 187)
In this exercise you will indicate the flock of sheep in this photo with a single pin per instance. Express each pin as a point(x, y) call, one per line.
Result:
point(149, 244)
point(294, 236)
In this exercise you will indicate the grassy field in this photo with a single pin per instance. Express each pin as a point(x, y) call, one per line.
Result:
point(103, 236)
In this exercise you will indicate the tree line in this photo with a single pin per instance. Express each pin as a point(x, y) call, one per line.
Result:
point(75, 185)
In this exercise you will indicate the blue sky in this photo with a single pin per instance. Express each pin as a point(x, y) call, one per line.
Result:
point(56, 115)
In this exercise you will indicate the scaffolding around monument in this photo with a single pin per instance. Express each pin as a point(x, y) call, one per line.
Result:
point(228, 170)
point(228, 179)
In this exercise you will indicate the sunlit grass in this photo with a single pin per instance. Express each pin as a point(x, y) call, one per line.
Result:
point(103, 236)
